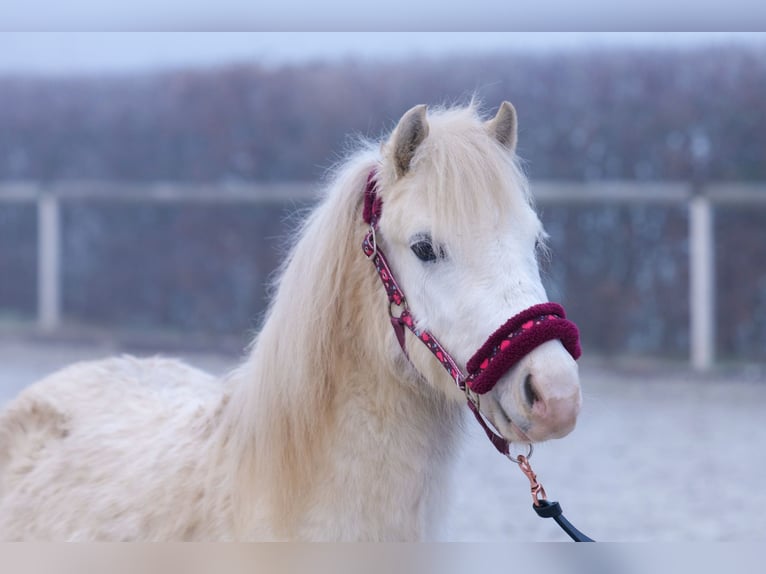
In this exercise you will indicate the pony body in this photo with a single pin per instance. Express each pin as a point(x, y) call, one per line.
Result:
point(325, 432)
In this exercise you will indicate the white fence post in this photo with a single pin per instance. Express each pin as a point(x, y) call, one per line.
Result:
point(48, 264)
point(701, 283)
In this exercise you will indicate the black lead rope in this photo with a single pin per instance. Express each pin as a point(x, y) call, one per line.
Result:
point(548, 509)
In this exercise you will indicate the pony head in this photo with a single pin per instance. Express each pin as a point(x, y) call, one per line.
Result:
point(463, 239)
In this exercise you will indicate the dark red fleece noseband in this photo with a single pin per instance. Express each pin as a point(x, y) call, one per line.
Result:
point(501, 351)
point(515, 339)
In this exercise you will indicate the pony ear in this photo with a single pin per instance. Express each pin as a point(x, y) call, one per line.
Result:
point(409, 133)
point(503, 126)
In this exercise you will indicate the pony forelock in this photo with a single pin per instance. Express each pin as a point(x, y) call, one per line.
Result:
point(465, 175)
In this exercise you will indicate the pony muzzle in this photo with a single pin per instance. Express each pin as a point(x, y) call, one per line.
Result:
point(515, 339)
point(541, 400)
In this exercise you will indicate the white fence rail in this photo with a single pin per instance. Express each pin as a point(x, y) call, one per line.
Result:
point(48, 198)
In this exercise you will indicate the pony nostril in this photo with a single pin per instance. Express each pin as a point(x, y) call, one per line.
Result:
point(529, 391)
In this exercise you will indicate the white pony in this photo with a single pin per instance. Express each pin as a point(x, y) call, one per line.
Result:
point(326, 431)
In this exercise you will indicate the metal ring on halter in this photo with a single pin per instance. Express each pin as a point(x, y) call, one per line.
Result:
point(374, 243)
point(391, 306)
point(530, 450)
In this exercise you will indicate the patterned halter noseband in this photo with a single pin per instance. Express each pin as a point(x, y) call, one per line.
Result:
point(501, 351)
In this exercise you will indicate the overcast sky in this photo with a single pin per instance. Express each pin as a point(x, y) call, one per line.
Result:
point(411, 15)
point(63, 53)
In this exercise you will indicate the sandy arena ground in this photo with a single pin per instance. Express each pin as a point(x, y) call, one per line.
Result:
point(657, 455)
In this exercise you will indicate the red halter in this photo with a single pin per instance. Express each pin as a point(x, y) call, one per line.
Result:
point(502, 350)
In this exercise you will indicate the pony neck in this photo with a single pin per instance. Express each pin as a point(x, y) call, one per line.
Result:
point(330, 425)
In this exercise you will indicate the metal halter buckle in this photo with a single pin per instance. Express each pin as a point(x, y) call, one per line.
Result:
point(374, 242)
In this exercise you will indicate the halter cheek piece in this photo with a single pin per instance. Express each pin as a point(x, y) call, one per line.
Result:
point(502, 350)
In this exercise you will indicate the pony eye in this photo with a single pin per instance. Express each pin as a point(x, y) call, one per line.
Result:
point(424, 250)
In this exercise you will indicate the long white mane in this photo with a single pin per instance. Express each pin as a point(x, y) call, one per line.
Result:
point(283, 404)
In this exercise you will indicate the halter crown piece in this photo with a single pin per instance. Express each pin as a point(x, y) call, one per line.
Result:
point(510, 343)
